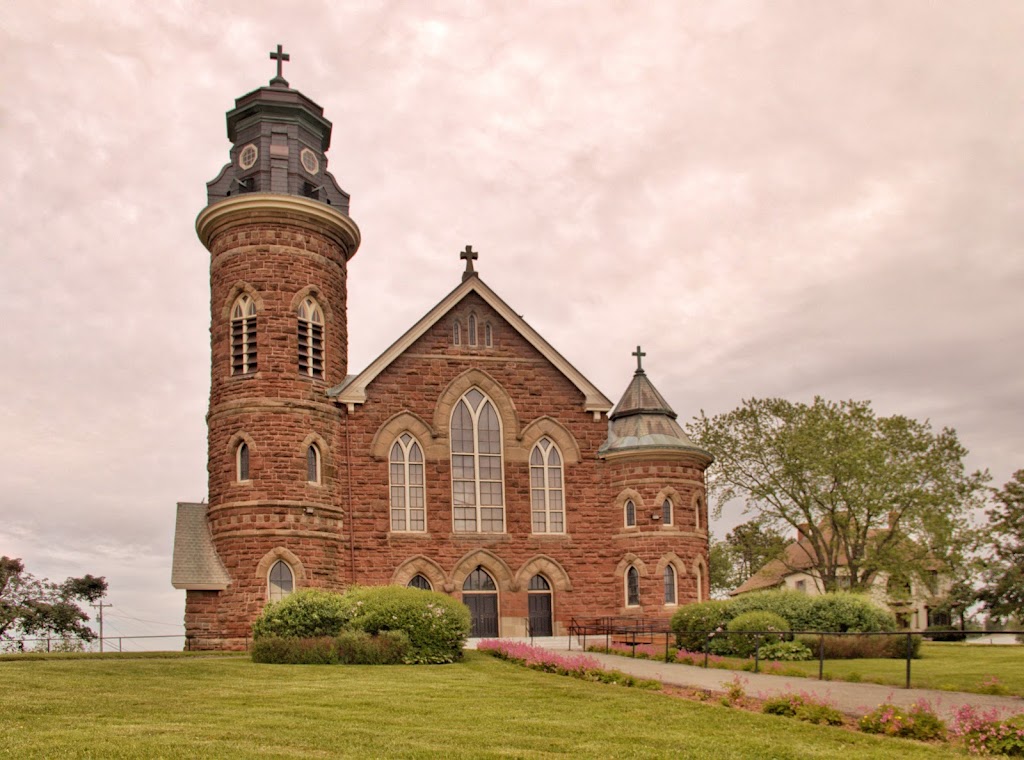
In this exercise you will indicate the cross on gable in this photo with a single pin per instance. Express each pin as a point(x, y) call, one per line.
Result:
point(280, 56)
point(639, 359)
point(469, 256)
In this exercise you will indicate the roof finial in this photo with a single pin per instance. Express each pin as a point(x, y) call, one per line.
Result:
point(468, 256)
point(280, 56)
point(639, 360)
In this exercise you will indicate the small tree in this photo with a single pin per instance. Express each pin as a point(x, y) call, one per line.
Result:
point(1003, 593)
point(33, 607)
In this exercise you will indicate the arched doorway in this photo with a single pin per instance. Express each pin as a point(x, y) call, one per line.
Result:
point(481, 596)
point(539, 596)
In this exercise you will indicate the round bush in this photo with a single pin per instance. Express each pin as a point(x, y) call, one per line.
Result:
point(793, 606)
point(306, 614)
point(745, 644)
point(692, 623)
point(841, 612)
point(436, 624)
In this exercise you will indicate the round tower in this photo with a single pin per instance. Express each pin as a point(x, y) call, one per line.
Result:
point(657, 476)
point(279, 235)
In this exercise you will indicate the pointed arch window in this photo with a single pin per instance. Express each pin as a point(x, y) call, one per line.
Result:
point(243, 336)
point(666, 512)
point(420, 582)
point(546, 492)
point(478, 499)
point(698, 509)
point(280, 582)
point(313, 467)
point(488, 339)
point(630, 516)
point(699, 572)
point(472, 329)
point(457, 333)
point(408, 510)
point(670, 584)
point(632, 587)
point(242, 462)
point(311, 338)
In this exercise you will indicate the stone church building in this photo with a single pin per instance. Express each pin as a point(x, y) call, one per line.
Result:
point(469, 458)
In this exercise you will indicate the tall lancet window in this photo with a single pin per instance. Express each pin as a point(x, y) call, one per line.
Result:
point(408, 512)
point(478, 501)
point(243, 336)
point(311, 338)
point(546, 494)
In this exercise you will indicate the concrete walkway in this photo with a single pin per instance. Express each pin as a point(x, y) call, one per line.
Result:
point(850, 698)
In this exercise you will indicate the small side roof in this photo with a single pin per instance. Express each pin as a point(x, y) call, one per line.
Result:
point(196, 565)
point(353, 390)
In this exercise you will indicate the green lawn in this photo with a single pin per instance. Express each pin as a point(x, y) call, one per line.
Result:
point(951, 667)
point(482, 707)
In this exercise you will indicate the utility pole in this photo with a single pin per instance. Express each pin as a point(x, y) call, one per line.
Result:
point(100, 605)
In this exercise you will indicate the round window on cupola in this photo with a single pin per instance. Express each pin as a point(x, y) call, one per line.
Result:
point(309, 161)
point(247, 156)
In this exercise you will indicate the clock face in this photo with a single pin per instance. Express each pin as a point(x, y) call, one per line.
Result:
point(247, 156)
point(309, 161)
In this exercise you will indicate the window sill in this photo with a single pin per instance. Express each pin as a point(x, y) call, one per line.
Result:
point(409, 534)
point(481, 536)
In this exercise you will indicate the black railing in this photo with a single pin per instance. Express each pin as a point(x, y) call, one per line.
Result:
point(634, 632)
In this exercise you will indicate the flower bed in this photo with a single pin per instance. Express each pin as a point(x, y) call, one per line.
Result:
point(575, 665)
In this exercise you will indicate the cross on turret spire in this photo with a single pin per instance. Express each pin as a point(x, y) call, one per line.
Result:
point(468, 255)
point(280, 56)
point(639, 359)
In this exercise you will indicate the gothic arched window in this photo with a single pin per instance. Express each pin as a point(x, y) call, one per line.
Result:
point(420, 582)
point(242, 462)
point(457, 333)
point(546, 492)
point(630, 516)
point(670, 584)
point(666, 512)
point(313, 463)
point(472, 329)
point(488, 340)
point(311, 338)
point(632, 587)
point(408, 511)
point(243, 335)
point(280, 581)
point(478, 500)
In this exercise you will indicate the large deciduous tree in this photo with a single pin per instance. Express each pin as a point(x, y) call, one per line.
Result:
point(33, 607)
point(871, 494)
point(1003, 593)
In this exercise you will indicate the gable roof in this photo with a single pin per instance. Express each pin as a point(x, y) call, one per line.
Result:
point(797, 557)
point(353, 390)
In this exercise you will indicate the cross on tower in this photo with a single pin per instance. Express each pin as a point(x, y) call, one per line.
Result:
point(468, 255)
point(639, 359)
point(280, 56)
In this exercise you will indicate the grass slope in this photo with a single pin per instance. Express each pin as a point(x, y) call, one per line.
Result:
point(482, 707)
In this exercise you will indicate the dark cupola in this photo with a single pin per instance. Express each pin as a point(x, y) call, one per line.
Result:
point(279, 143)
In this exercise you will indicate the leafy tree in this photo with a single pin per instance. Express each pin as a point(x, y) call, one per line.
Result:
point(872, 494)
point(1003, 593)
point(32, 607)
point(720, 569)
point(754, 544)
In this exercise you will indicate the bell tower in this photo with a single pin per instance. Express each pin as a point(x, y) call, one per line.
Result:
point(279, 235)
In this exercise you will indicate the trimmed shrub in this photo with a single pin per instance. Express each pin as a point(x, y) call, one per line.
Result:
point(745, 644)
point(786, 651)
point(290, 650)
point(793, 606)
point(692, 622)
point(842, 612)
point(309, 613)
point(437, 625)
point(857, 647)
point(360, 648)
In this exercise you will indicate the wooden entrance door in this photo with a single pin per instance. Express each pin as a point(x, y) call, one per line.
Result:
point(539, 595)
point(483, 612)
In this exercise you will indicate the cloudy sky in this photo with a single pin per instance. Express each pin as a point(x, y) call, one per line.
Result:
point(786, 198)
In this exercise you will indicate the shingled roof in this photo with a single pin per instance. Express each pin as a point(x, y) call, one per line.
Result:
point(196, 565)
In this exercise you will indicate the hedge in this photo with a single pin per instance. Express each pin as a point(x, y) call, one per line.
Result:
point(306, 614)
point(347, 648)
